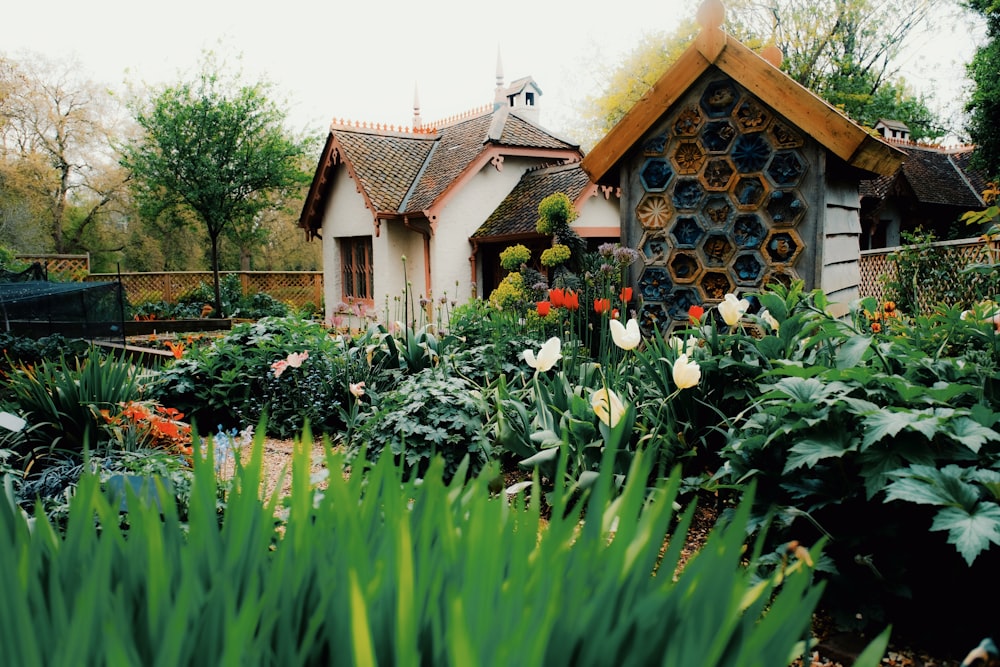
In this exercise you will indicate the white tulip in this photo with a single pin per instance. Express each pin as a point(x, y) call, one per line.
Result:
point(686, 373)
point(607, 406)
point(548, 355)
point(626, 336)
point(732, 309)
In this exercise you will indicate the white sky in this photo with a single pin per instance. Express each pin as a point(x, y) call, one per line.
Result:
point(362, 60)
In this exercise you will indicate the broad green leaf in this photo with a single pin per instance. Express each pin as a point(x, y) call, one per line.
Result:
point(810, 451)
point(927, 485)
point(541, 457)
point(971, 533)
point(970, 433)
point(883, 423)
point(852, 351)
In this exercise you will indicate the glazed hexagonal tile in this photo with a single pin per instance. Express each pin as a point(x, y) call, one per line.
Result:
point(749, 192)
point(655, 283)
point(716, 284)
point(748, 268)
point(780, 275)
point(786, 208)
point(717, 249)
point(654, 212)
point(653, 316)
point(680, 302)
point(717, 174)
point(686, 232)
point(782, 246)
point(786, 168)
point(655, 145)
point(687, 157)
point(783, 136)
point(719, 98)
point(751, 116)
point(717, 136)
point(688, 194)
point(687, 122)
point(717, 210)
point(654, 247)
point(684, 266)
point(750, 152)
point(748, 231)
point(656, 174)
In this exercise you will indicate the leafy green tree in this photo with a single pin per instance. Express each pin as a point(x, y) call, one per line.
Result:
point(984, 104)
point(217, 149)
point(843, 50)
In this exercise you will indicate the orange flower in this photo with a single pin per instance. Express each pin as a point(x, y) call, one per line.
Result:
point(557, 296)
point(876, 327)
point(543, 308)
point(695, 313)
point(602, 306)
point(176, 348)
point(626, 294)
point(889, 306)
point(572, 300)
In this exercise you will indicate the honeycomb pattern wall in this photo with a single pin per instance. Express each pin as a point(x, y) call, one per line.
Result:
point(720, 203)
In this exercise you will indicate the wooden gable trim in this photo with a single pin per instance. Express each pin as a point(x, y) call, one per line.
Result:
point(803, 108)
point(495, 155)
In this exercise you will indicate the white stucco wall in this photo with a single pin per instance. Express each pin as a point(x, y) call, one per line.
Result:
point(597, 215)
point(345, 215)
point(460, 217)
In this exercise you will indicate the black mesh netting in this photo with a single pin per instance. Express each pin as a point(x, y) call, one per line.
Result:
point(33, 305)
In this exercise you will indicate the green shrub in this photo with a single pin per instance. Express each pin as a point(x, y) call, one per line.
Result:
point(428, 414)
point(377, 570)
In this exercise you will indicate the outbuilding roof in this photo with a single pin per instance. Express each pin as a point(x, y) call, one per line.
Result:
point(761, 76)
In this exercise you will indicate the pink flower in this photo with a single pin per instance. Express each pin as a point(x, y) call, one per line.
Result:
point(279, 367)
point(295, 359)
point(357, 389)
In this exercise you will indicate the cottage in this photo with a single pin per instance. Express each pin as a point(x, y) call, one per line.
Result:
point(448, 196)
point(732, 176)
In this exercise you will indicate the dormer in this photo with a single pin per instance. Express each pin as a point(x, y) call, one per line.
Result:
point(522, 95)
point(893, 130)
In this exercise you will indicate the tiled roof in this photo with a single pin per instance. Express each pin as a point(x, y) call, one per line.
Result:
point(935, 175)
point(518, 213)
point(406, 173)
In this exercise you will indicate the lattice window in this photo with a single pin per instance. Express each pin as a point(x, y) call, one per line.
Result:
point(357, 274)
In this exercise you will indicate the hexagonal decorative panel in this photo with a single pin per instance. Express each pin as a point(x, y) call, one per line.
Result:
point(655, 284)
point(716, 284)
point(653, 316)
point(751, 116)
point(684, 267)
point(782, 247)
point(718, 174)
point(686, 232)
point(750, 192)
point(656, 174)
point(717, 210)
point(748, 231)
point(654, 247)
point(688, 157)
point(717, 249)
point(688, 194)
point(718, 136)
point(748, 268)
point(750, 152)
point(719, 98)
point(687, 122)
point(723, 183)
point(786, 208)
point(653, 212)
point(786, 168)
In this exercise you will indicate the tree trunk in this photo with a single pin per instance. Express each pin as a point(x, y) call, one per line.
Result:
point(215, 276)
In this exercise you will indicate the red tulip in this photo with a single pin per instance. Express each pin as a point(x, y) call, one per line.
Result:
point(626, 294)
point(558, 297)
point(543, 308)
point(695, 313)
point(602, 306)
point(572, 300)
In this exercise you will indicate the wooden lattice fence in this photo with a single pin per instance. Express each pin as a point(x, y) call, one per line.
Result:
point(296, 288)
point(69, 266)
point(947, 284)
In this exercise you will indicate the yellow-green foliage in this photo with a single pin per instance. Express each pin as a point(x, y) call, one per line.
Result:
point(555, 255)
point(513, 257)
point(554, 211)
point(509, 293)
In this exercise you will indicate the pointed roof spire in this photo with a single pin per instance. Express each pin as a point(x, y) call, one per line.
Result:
point(498, 97)
point(417, 122)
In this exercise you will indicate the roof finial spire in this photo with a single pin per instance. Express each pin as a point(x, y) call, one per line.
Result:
point(498, 97)
point(417, 123)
